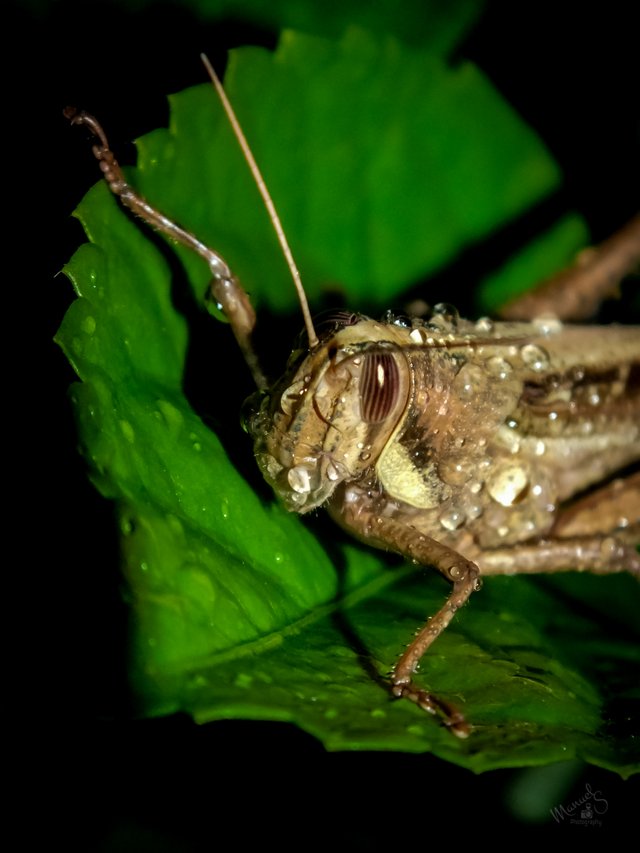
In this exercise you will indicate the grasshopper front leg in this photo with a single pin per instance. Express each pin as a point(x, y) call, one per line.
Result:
point(391, 534)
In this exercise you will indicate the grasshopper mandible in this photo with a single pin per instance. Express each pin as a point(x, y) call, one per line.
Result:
point(473, 447)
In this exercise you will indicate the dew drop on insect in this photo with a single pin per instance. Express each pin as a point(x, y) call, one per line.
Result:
point(419, 336)
point(498, 367)
point(453, 472)
point(365, 456)
point(547, 325)
point(299, 479)
point(470, 381)
point(332, 471)
point(473, 511)
point(452, 519)
point(291, 395)
point(446, 311)
point(484, 324)
point(576, 374)
point(540, 447)
point(610, 549)
point(594, 398)
point(535, 357)
point(507, 484)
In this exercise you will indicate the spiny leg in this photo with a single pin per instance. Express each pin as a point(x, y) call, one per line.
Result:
point(576, 293)
point(396, 535)
point(465, 580)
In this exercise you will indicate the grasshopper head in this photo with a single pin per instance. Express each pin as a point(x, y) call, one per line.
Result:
point(328, 418)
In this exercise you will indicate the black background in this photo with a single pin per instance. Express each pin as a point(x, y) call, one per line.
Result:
point(89, 775)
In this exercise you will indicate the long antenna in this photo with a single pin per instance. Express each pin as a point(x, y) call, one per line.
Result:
point(264, 192)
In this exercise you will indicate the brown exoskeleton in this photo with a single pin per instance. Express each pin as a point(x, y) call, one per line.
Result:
point(465, 446)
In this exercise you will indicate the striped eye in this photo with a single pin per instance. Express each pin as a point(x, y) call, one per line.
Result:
point(379, 386)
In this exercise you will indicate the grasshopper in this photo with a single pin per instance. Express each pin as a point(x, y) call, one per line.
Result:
point(477, 448)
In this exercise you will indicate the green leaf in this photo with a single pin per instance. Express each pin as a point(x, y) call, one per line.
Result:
point(384, 164)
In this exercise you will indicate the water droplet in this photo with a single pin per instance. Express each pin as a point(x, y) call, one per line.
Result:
point(89, 325)
point(224, 509)
point(126, 526)
point(454, 471)
point(419, 336)
point(473, 511)
point(535, 357)
point(553, 416)
point(540, 447)
point(485, 324)
point(498, 366)
point(446, 311)
point(127, 431)
point(332, 471)
point(470, 381)
point(576, 374)
point(278, 557)
point(452, 519)
point(170, 414)
point(175, 524)
point(291, 396)
point(547, 325)
point(365, 457)
point(594, 398)
point(610, 550)
point(507, 484)
point(144, 567)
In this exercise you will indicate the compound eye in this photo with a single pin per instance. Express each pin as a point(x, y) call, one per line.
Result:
point(379, 386)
